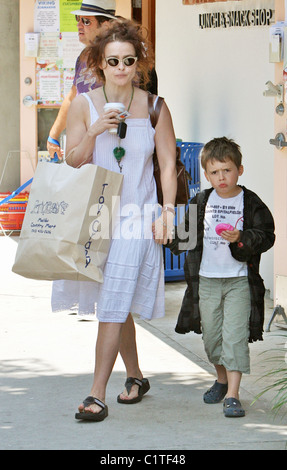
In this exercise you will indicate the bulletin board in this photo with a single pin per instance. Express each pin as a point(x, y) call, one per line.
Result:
point(56, 48)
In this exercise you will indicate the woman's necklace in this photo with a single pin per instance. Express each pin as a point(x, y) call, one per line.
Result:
point(119, 152)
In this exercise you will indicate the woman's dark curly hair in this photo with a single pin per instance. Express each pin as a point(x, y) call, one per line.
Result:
point(121, 30)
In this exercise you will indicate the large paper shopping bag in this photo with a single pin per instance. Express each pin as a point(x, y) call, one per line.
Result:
point(67, 227)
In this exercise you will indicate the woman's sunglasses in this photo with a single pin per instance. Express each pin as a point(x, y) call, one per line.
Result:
point(127, 61)
point(85, 21)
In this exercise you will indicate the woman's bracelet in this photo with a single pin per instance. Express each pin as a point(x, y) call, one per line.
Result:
point(54, 141)
point(168, 209)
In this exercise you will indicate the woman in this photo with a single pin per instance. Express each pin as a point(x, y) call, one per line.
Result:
point(133, 275)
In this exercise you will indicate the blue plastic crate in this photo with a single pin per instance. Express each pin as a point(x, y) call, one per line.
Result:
point(190, 152)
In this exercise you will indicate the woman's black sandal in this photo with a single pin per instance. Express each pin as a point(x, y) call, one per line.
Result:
point(143, 385)
point(89, 415)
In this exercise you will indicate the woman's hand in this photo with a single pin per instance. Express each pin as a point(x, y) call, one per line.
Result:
point(163, 228)
point(108, 120)
point(53, 148)
point(81, 135)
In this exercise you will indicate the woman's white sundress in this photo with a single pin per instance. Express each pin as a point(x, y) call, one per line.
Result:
point(134, 272)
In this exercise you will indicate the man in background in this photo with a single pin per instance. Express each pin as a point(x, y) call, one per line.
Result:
point(92, 15)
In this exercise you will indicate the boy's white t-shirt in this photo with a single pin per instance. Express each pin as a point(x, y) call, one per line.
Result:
point(217, 260)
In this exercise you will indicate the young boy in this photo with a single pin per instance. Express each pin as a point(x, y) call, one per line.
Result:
point(225, 293)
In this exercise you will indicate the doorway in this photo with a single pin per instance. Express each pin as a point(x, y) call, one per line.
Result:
point(143, 11)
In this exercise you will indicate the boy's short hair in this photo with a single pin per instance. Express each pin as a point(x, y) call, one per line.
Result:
point(221, 149)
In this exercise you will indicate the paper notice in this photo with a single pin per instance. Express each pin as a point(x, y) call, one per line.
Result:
point(46, 16)
point(71, 49)
point(50, 85)
point(31, 44)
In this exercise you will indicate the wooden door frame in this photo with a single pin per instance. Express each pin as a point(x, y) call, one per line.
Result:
point(280, 172)
point(148, 18)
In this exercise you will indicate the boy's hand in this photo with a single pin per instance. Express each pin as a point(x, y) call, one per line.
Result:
point(231, 236)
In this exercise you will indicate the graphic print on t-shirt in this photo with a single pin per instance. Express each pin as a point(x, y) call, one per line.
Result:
point(223, 216)
point(217, 260)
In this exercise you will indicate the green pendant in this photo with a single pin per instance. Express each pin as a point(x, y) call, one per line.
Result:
point(119, 153)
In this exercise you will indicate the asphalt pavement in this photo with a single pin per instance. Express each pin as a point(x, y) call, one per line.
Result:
point(46, 365)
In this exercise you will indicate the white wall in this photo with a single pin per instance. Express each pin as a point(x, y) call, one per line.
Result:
point(213, 82)
point(9, 94)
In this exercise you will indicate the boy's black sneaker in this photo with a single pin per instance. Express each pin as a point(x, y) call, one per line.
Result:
point(216, 393)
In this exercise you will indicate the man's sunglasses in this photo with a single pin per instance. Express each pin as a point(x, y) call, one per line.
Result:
point(127, 61)
point(85, 21)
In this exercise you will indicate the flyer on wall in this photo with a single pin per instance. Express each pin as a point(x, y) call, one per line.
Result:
point(57, 51)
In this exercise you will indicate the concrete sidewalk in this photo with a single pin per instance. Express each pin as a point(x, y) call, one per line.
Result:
point(46, 371)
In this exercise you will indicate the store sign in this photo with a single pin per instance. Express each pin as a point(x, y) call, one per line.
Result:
point(258, 17)
point(236, 13)
point(196, 2)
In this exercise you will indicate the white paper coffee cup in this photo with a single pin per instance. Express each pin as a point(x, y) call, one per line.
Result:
point(120, 107)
